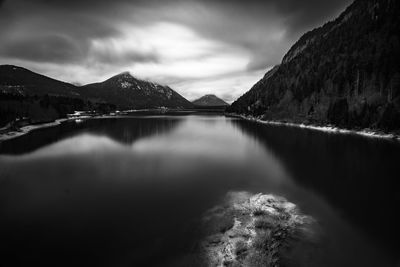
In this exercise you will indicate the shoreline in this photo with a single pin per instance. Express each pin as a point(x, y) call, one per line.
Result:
point(28, 128)
point(11, 134)
point(327, 129)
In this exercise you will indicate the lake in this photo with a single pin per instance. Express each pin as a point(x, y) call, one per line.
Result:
point(131, 191)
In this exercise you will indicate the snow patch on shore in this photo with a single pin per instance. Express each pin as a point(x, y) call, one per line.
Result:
point(328, 129)
point(26, 129)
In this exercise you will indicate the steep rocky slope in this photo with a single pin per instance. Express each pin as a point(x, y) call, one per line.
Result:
point(345, 73)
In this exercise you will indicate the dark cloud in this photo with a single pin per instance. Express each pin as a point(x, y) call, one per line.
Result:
point(62, 33)
point(263, 17)
point(299, 13)
point(109, 57)
point(31, 31)
point(51, 48)
point(252, 24)
point(243, 23)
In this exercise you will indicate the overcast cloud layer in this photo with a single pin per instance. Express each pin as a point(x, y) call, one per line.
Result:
point(195, 46)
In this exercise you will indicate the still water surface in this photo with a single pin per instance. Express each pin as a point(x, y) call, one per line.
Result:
point(131, 191)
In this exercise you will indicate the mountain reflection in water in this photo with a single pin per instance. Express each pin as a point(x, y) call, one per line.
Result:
point(124, 130)
point(132, 191)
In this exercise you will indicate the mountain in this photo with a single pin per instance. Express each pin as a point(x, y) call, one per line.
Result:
point(126, 91)
point(122, 90)
point(345, 73)
point(17, 80)
point(210, 101)
point(37, 98)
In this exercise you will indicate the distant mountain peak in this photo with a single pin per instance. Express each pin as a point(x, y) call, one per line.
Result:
point(210, 100)
point(123, 80)
point(123, 75)
point(126, 91)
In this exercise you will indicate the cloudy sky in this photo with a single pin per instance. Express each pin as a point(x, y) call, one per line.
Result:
point(195, 46)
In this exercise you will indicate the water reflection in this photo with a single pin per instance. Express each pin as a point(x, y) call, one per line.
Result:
point(357, 175)
point(123, 192)
point(119, 192)
point(124, 130)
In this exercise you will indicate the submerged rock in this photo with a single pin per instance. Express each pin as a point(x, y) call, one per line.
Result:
point(251, 230)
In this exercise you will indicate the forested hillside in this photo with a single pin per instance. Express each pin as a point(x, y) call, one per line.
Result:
point(39, 109)
point(37, 98)
point(345, 73)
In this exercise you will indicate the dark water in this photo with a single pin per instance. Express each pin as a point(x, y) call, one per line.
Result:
point(131, 191)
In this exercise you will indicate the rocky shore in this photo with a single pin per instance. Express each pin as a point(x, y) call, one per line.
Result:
point(252, 230)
